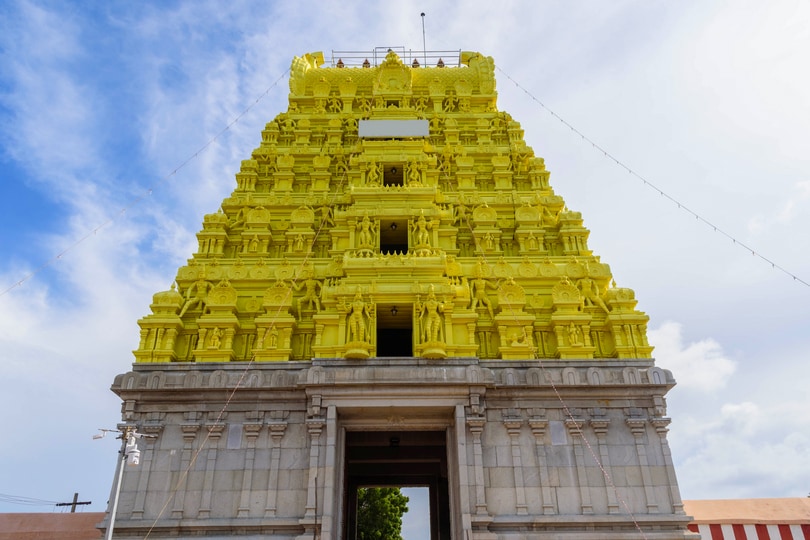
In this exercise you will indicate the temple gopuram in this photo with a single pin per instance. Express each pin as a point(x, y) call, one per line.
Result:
point(394, 295)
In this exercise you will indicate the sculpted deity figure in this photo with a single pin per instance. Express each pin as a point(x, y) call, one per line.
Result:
point(490, 241)
point(365, 239)
point(590, 293)
point(421, 235)
point(373, 174)
point(414, 174)
point(351, 125)
point(364, 104)
point(288, 125)
point(327, 216)
point(360, 315)
point(532, 242)
point(273, 337)
point(574, 335)
point(335, 105)
point(254, 244)
point(548, 218)
point(312, 288)
point(430, 317)
point(446, 162)
point(197, 294)
point(479, 296)
point(460, 213)
point(216, 337)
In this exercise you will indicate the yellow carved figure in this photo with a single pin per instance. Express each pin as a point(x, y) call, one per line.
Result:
point(360, 313)
point(197, 294)
point(430, 315)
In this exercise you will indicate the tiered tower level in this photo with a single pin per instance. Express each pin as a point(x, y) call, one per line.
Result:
point(386, 199)
point(394, 295)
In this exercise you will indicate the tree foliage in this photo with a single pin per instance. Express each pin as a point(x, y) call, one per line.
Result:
point(379, 513)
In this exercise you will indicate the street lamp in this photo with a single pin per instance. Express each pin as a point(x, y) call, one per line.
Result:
point(131, 454)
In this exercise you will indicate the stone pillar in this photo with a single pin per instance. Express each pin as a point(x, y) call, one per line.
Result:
point(214, 434)
point(660, 425)
point(327, 483)
point(315, 426)
point(476, 425)
point(600, 427)
point(464, 484)
point(189, 434)
point(277, 428)
point(574, 426)
point(151, 431)
point(252, 430)
point(547, 500)
point(513, 425)
point(638, 426)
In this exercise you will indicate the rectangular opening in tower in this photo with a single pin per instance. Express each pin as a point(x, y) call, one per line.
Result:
point(394, 330)
point(393, 174)
point(393, 235)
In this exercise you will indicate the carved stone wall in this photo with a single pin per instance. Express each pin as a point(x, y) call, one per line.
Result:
point(554, 450)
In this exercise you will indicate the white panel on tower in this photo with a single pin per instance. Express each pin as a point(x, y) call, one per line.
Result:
point(393, 128)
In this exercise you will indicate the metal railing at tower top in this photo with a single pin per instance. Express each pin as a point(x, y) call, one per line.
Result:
point(375, 57)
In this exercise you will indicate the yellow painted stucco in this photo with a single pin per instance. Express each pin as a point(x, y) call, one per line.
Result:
point(329, 239)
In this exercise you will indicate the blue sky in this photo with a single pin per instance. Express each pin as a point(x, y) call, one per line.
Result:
point(102, 101)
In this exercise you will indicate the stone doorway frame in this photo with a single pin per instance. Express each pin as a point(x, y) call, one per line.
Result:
point(438, 471)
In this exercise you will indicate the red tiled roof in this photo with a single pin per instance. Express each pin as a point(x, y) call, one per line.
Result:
point(41, 526)
point(750, 519)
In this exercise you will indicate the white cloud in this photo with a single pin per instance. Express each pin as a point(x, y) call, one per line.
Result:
point(743, 450)
point(701, 366)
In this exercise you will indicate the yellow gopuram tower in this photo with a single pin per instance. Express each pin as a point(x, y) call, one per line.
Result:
point(394, 295)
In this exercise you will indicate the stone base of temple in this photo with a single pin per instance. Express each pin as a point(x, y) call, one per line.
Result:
point(510, 449)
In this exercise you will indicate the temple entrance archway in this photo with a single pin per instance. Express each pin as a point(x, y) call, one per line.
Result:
point(397, 459)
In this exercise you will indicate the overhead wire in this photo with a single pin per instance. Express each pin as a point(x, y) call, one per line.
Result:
point(660, 191)
point(26, 501)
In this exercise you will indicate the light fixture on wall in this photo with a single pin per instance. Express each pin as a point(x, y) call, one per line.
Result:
point(393, 226)
point(394, 311)
point(393, 170)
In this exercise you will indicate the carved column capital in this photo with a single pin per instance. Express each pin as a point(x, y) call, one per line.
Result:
point(476, 424)
point(315, 425)
point(513, 422)
point(277, 428)
point(252, 430)
point(538, 426)
point(574, 426)
point(600, 426)
point(661, 425)
point(637, 425)
point(214, 429)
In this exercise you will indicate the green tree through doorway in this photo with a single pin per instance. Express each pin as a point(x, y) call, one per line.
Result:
point(379, 513)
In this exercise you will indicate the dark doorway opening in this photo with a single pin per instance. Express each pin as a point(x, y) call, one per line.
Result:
point(398, 459)
point(393, 175)
point(393, 235)
point(394, 342)
point(394, 330)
